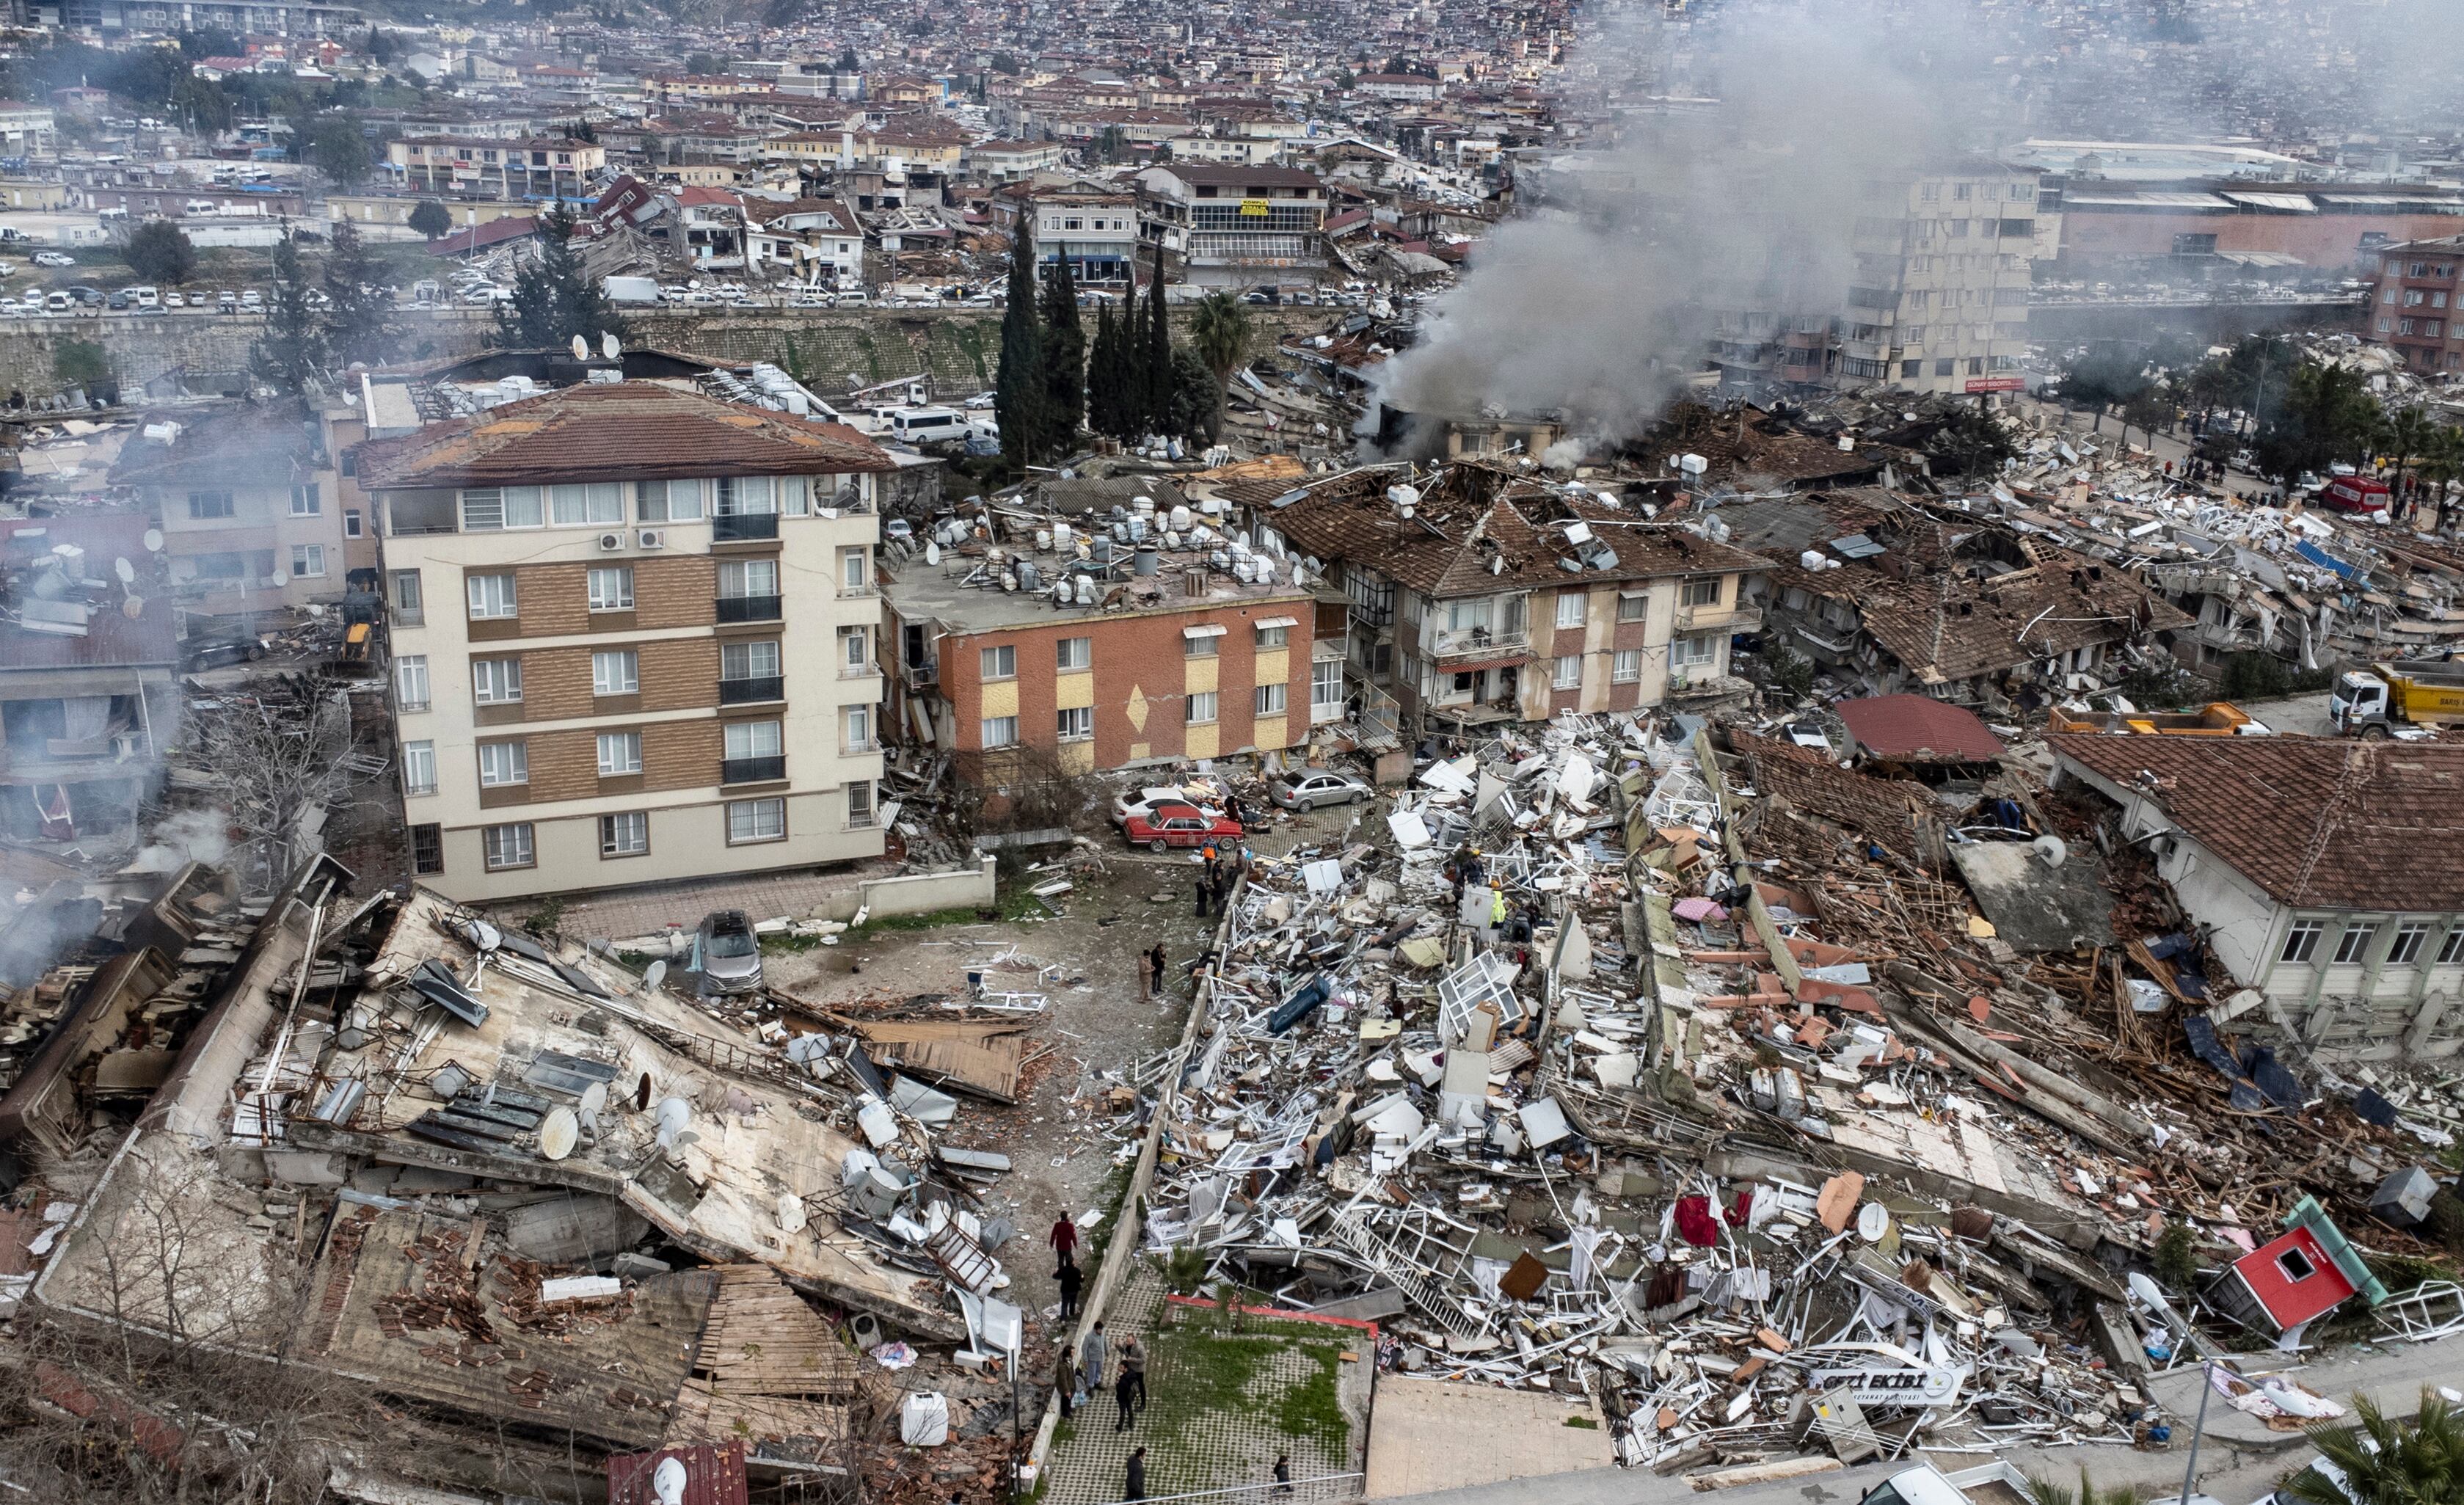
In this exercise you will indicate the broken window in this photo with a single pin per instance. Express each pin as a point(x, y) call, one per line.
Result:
point(2296, 1266)
point(2410, 938)
point(2354, 945)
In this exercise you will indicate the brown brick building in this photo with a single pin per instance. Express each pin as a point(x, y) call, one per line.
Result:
point(2413, 303)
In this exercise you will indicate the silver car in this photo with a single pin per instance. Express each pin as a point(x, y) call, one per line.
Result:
point(727, 953)
point(1308, 790)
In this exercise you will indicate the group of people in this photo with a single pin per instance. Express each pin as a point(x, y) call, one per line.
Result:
point(1079, 1374)
point(1223, 869)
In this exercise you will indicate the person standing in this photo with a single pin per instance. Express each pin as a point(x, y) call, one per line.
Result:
point(1137, 1482)
point(1065, 1379)
point(1155, 969)
point(1134, 1369)
point(1283, 1475)
point(1122, 1388)
point(1070, 1280)
point(1146, 986)
point(1200, 886)
point(1091, 1359)
point(1064, 1239)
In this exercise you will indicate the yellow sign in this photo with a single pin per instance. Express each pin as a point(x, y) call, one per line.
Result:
point(1253, 207)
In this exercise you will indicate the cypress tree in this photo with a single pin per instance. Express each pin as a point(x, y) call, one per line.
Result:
point(1017, 381)
point(1158, 356)
point(1104, 377)
point(1065, 356)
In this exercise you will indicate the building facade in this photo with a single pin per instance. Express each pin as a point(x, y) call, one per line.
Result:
point(252, 510)
point(1232, 226)
point(634, 640)
point(2413, 303)
point(547, 167)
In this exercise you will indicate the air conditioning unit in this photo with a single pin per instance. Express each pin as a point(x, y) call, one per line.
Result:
point(611, 541)
point(653, 538)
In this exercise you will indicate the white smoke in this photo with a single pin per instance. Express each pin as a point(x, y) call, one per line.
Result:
point(182, 837)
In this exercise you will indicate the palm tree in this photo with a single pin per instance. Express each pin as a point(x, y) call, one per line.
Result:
point(1218, 330)
point(2386, 1462)
point(2052, 1492)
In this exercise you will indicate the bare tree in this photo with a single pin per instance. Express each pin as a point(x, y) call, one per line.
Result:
point(279, 752)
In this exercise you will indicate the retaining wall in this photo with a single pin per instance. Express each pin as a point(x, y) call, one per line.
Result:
point(966, 887)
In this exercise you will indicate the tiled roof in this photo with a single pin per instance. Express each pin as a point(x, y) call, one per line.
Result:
point(2314, 821)
point(1902, 725)
point(627, 430)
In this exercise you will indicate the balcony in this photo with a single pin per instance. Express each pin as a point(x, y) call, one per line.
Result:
point(1734, 619)
point(1477, 642)
point(748, 609)
point(752, 770)
point(752, 689)
point(863, 671)
point(744, 527)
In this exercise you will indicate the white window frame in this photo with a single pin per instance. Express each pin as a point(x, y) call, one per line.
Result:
point(1073, 655)
point(1324, 706)
point(1272, 697)
point(511, 845)
point(418, 768)
point(1696, 650)
point(997, 663)
point(2301, 947)
point(611, 588)
point(1075, 724)
point(750, 651)
point(1633, 606)
point(497, 681)
point(744, 571)
point(587, 504)
point(1567, 672)
point(626, 833)
point(1699, 593)
point(1626, 667)
point(752, 822)
point(209, 506)
point(1000, 731)
point(855, 570)
point(2353, 946)
point(504, 764)
point(307, 561)
point(855, 728)
point(616, 671)
point(1571, 606)
point(620, 754)
point(670, 500)
point(1200, 709)
point(410, 692)
point(753, 740)
point(352, 527)
point(1271, 637)
point(2410, 938)
point(306, 501)
point(861, 813)
point(490, 603)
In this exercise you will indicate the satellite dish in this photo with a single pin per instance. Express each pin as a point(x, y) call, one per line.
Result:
point(609, 347)
point(126, 572)
point(153, 541)
point(559, 1133)
point(580, 349)
point(1873, 1222)
point(594, 1101)
point(931, 552)
point(654, 975)
point(485, 936)
point(668, 1482)
point(133, 609)
point(791, 1212)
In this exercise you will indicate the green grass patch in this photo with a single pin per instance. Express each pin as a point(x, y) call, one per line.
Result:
point(1314, 1409)
point(1588, 1424)
point(884, 924)
point(1204, 1366)
point(786, 942)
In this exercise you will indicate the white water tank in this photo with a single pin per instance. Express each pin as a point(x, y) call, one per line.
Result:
point(1179, 519)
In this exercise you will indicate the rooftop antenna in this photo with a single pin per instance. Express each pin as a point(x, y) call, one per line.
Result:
point(580, 349)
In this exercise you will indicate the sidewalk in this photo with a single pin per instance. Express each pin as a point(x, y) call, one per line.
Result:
point(654, 907)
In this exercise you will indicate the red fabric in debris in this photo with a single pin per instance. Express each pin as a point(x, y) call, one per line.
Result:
point(1742, 1210)
point(1695, 1223)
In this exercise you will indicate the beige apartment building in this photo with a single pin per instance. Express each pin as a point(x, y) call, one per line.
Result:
point(253, 512)
point(1939, 303)
point(634, 636)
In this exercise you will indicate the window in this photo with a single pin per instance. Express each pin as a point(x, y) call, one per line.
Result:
point(207, 504)
point(1567, 673)
point(747, 660)
point(1196, 644)
point(1001, 731)
point(1946, 367)
point(855, 648)
point(1270, 699)
point(307, 561)
point(504, 763)
point(410, 682)
point(1325, 691)
point(1569, 609)
point(616, 671)
point(487, 509)
point(669, 501)
point(1627, 667)
point(351, 527)
point(2302, 941)
point(1633, 606)
point(1274, 636)
point(507, 846)
point(859, 797)
point(2296, 1266)
point(1700, 650)
point(1200, 708)
point(855, 569)
point(611, 588)
point(1000, 663)
point(305, 502)
point(495, 681)
point(1076, 724)
point(2451, 949)
point(595, 504)
point(419, 767)
point(619, 753)
point(408, 601)
point(2410, 938)
point(742, 495)
point(748, 577)
point(1698, 594)
point(492, 597)
point(858, 729)
point(426, 848)
point(756, 820)
point(1074, 653)
point(2354, 945)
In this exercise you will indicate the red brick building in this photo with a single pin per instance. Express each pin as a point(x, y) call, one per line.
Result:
point(2413, 303)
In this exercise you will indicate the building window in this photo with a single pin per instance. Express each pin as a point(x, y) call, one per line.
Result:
point(741, 578)
point(1700, 650)
point(1946, 367)
point(855, 569)
point(409, 603)
point(1569, 609)
point(669, 501)
point(747, 660)
point(859, 801)
point(426, 848)
point(1198, 643)
point(1326, 690)
point(855, 650)
point(419, 767)
point(2355, 943)
point(2451, 949)
point(504, 763)
point(1633, 606)
point(488, 509)
point(1626, 667)
point(305, 502)
point(756, 820)
point(491, 598)
point(495, 681)
point(2410, 938)
point(1001, 731)
point(611, 588)
point(616, 671)
point(753, 740)
point(508, 846)
point(624, 835)
point(410, 682)
point(1200, 708)
point(2302, 941)
point(351, 526)
point(595, 504)
point(1698, 594)
point(999, 663)
point(857, 729)
point(1568, 672)
point(2296, 1266)
point(1270, 699)
point(203, 505)
point(1274, 636)
point(1074, 653)
point(307, 561)
point(1076, 723)
point(620, 753)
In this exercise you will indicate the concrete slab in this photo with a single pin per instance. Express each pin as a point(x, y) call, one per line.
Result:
point(1428, 1434)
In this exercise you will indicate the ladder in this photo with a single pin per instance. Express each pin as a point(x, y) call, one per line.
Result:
point(962, 1258)
point(1418, 1287)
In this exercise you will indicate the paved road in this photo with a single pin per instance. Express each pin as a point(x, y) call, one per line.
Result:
point(2239, 1459)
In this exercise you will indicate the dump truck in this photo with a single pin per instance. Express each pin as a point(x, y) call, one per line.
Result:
point(2379, 700)
point(2215, 719)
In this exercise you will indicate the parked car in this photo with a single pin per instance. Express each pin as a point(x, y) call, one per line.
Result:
point(144, 297)
point(1164, 827)
point(726, 953)
point(1141, 802)
point(174, 301)
point(1307, 790)
point(54, 259)
point(226, 302)
point(120, 301)
point(252, 300)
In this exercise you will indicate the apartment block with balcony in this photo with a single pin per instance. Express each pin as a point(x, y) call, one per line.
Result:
point(254, 513)
point(2416, 301)
point(1476, 596)
point(635, 639)
point(1234, 225)
point(1938, 296)
point(551, 165)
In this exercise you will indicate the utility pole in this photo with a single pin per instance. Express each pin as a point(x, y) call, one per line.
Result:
point(2207, 1387)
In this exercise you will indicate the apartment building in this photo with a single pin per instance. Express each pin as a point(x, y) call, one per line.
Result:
point(1181, 660)
point(2415, 300)
point(633, 631)
point(1475, 598)
point(1095, 228)
point(550, 166)
point(253, 513)
point(1235, 226)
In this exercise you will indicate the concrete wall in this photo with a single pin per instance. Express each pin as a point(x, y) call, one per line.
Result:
point(964, 887)
point(824, 348)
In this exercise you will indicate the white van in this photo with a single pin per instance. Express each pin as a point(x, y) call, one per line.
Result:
point(927, 425)
point(146, 296)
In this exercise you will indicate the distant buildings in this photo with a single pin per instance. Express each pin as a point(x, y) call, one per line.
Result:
point(549, 165)
point(1230, 226)
point(2415, 300)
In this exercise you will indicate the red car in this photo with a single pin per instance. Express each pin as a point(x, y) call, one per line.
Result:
point(1164, 827)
